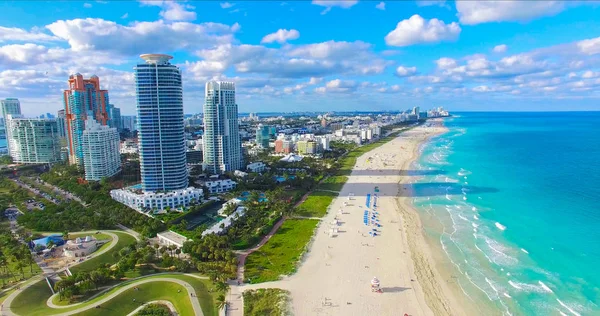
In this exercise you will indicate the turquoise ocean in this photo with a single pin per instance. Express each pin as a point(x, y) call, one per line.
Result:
point(513, 201)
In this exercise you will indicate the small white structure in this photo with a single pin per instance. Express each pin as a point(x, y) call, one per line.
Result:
point(239, 173)
point(291, 158)
point(220, 186)
point(234, 201)
point(170, 237)
point(256, 167)
point(81, 247)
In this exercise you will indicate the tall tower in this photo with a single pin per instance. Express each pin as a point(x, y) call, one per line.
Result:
point(9, 106)
point(160, 124)
point(221, 141)
point(83, 98)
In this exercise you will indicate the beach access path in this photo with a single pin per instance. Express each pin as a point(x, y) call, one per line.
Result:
point(335, 273)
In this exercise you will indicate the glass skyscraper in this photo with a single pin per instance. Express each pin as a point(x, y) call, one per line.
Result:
point(221, 140)
point(160, 124)
point(10, 106)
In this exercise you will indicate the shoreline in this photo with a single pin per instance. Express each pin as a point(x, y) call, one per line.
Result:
point(431, 266)
point(334, 275)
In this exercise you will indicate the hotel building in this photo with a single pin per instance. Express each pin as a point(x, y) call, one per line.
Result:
point(221, 140)
point(83, 98)
point(33, 140)
point(101, 157)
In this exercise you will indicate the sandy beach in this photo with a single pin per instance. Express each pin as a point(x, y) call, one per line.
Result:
point(334, 277)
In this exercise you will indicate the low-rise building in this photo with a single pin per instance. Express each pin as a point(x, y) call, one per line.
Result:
point(239, 173)
point(258, 166)
point(171, 238)
point(220, 186)
point(81, 247)
point(146, 201)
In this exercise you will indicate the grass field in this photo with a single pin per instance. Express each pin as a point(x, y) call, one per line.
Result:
point(5, 294)
point(333, 183)
point(15, 272)
point(160, 290)
point(316, 204)
point(91, 264)
point(97, 236)
point(266, 302)
point(280, 255)
point(32, 301)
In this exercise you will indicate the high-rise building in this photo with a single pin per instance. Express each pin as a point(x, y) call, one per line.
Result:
point(222, 143)
point(100, 145)
point(263, 136)
point(10, 106)
point(129, 122)
point(114, 113)
point(60, 121)
point(83, 98)
point(160, 124)
point(33, 140)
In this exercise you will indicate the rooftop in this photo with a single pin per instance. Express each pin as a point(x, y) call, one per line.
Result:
point(173, 236)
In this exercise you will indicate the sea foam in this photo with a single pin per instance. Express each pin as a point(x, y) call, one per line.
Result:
point(500, 226)
point(567, 307)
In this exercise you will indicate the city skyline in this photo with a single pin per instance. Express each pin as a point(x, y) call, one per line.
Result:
point(426, 53)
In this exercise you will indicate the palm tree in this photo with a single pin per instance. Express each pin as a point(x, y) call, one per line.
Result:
point(221, 302)
point(222, 286)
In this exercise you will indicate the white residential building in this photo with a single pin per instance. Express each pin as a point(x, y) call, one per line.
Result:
point(9, 106)
point(220, 186)
point(145, 201)
point(221, 139)
point(33, 140)
point(100, 147)
point(256, 167)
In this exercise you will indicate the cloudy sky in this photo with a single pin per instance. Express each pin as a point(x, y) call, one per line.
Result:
point(319, 55)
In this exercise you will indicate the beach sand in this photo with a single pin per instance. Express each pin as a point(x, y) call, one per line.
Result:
point(334, 277)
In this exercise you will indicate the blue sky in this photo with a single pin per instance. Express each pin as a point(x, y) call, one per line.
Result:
point(313, 56)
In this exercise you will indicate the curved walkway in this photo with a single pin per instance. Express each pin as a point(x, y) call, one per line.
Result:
point(7, 302)
point(189, 288)
point(169, 305)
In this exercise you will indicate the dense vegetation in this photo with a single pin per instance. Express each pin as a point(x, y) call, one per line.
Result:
point(96, 196)
point(16, 262)
point(262, 302)
point(155, 310)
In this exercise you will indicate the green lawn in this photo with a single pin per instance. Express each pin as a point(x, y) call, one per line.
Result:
point(5, 294)
point(316, 204)
point(15, 272)
point(262, 302)
point(280, 255)
point(333, 183)
point(159, 290)
point(32, 301)
point(91, 264)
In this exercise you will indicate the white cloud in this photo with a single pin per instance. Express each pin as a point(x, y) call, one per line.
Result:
point(17, 34)
point(140, 37)
point(476, 12)
point(417, 30)
point(500, 48)
point(226, 5)
point(124, 16)
point(338, 86)
point(172, 10)
point(427, 3)
point(402, 71)
point(328, 4)
point(589, 46)
point(281, 36)
point(380, 6)
point(445, 63)
point(87, 5)
point(590, 74)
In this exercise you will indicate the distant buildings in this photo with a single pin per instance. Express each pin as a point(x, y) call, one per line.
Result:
point(256, 167)
point(129, 122)
point(114, 114)
point(263, 136)
point(220, 186)
point(221, 140)
point(33, 140)
point(83, 98)
point(100, 146)
point(60, 121)
point(10, 106)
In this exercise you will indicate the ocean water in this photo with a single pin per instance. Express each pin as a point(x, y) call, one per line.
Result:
point(514, 201)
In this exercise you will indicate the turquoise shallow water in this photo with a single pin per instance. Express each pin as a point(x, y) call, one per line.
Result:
point(514, 201)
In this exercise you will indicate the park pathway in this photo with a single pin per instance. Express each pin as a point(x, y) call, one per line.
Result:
point(169, 305)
